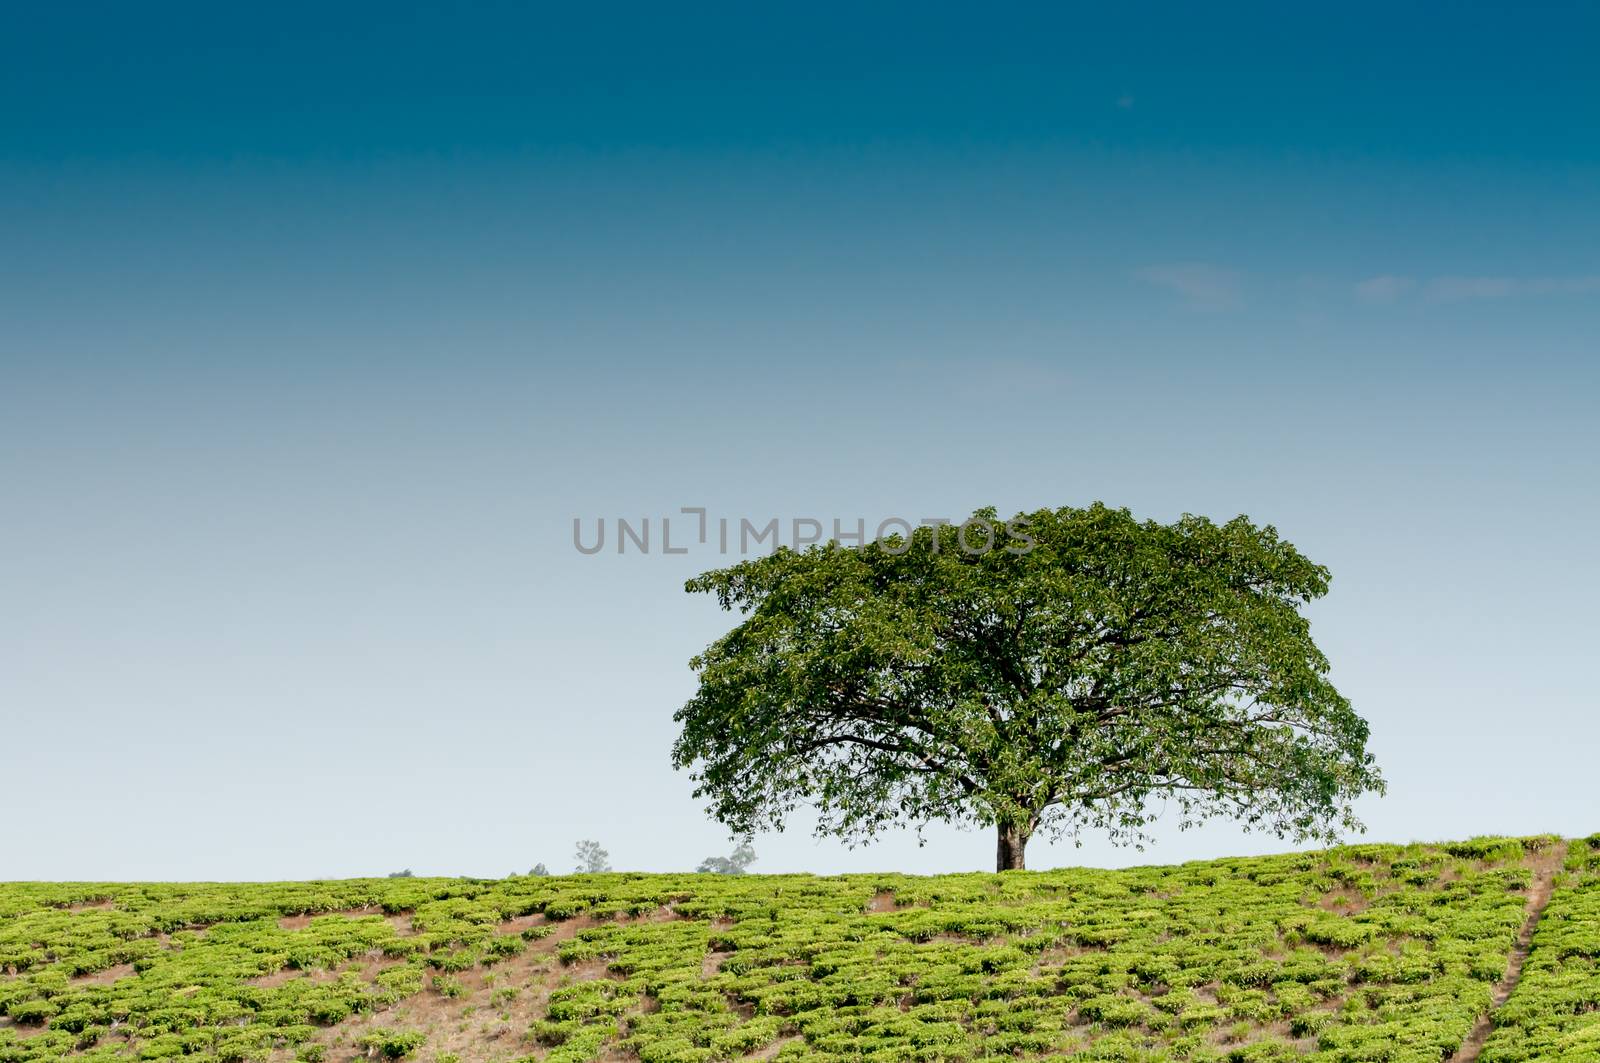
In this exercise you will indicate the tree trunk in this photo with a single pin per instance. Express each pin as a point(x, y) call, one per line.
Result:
point(1011, 842)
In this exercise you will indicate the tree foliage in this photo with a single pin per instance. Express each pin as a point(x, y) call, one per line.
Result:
point(1098, 673)
point(591, 858)
point(735, 863)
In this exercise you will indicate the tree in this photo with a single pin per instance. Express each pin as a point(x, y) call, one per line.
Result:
point(539, 871)
point(591, 858)
point(736, 863)
point(402, 874)
point(1086, 672)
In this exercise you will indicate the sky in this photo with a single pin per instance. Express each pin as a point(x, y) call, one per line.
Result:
point(319, 327)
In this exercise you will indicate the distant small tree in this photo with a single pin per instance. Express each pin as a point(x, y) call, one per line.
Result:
point(402, 874)
point(540, 871)
point(736, 863)
point(591, 858)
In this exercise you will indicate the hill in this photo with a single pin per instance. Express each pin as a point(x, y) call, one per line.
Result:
point(1488, 949)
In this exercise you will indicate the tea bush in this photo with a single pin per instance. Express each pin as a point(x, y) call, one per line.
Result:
point(1363, 954)
point(1554, 1015)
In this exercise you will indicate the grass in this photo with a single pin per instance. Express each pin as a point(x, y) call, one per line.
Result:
point(1361, 954)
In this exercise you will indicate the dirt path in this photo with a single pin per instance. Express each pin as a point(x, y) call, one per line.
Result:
point(1545, 866)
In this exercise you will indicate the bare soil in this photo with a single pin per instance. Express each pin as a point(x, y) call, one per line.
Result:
point(1545, 865)
point(469, 1026)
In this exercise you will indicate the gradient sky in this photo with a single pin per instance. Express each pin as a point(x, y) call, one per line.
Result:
point(319, 325)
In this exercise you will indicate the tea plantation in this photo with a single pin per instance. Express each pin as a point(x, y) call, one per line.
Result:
point(1357, 954)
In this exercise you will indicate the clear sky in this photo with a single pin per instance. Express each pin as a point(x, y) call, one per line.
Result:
point(319, 325)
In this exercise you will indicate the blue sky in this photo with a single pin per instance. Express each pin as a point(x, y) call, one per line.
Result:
point(317, 330)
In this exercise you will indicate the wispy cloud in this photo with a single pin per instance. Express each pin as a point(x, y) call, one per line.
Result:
point(1455, 289)
point(1384, 289)
point(1389, 288)
point(1008, 378)
point(1201, 285)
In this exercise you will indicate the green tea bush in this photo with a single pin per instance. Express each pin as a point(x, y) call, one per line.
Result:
point(394, 1044)
point(1364, 953)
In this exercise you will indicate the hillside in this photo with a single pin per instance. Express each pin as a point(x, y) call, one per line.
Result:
point(1362, 953)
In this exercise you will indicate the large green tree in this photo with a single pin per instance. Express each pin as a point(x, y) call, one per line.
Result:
point(1089, 671)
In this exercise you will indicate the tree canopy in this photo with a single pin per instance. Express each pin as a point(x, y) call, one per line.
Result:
point(591, 859)
point(1086, 671)
point(735, 863)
